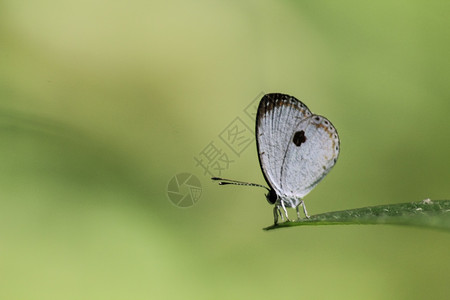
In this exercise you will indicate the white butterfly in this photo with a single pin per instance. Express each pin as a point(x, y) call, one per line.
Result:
point(296, 150)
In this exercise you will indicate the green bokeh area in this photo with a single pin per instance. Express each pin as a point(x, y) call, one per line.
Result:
point(102, 103)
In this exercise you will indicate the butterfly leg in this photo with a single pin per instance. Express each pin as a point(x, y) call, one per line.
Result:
point(280, 213)
point(304, 209)
point(298, 212)
point(278, 207)
point(285, 211)
point(275, 215)
point(276, 211)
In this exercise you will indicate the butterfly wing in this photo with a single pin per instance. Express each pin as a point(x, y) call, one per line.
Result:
point(296, 148)
point(277, 117)
point(311, 152)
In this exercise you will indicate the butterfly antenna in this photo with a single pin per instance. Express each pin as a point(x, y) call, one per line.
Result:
point(224, 181)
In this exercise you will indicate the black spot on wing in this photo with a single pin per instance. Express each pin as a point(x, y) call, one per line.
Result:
point(299, 138)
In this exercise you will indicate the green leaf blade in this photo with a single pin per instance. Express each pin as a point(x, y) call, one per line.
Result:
point(427, 213)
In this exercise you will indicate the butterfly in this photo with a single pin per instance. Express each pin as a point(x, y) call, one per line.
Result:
point(296, 149)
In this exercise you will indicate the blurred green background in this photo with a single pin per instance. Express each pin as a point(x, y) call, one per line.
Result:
point(103, 102)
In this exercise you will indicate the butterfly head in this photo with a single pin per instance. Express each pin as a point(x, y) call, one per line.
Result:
point(271, 196)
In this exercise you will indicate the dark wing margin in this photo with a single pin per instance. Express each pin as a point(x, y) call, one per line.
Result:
point(277, 116)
